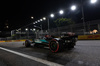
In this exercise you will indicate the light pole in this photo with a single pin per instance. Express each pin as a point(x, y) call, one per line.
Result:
point(82, 9)
point(74, 8)
point(35, 31)
point(12, 32)
point(93, 2)
point(61, 12)
point(48, 24)
point(20, 32)
point(83, 16)
point(27, 32)
point(41, 26)
point(44, 18)
point(51, 15)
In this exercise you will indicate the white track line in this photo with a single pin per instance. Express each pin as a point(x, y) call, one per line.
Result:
point(32, 58)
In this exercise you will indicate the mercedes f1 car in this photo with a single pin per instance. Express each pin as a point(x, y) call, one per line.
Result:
point(55, 44)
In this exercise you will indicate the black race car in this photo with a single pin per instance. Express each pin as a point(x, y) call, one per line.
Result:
point(55, 44)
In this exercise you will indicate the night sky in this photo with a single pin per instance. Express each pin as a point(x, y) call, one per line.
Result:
point(17, 13)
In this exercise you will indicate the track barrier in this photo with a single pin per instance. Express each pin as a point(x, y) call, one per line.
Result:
point(89, 37)
point(12, 41)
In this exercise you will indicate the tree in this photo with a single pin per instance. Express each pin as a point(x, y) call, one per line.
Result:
point(63, 22)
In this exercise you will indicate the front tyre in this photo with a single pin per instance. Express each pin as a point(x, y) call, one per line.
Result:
point(27, 43)
point(55, 46)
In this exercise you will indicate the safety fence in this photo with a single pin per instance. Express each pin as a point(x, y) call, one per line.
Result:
point(33, 32)
point(30, 33)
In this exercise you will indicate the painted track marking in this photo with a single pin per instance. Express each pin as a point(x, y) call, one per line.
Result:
point(49, 63)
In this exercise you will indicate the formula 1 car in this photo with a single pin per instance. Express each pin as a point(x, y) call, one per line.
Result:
point(55, 44)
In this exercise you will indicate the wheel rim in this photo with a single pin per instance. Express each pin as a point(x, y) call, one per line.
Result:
point(26, 43)
point(53, 46)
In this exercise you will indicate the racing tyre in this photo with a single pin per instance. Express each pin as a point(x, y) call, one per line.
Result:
point(55, 46)
point(27, 43)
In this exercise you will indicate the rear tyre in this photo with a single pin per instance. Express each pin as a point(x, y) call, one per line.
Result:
point(55, 46)
point(27, 43)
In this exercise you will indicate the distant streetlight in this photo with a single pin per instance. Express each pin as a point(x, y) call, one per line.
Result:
point(41, 20)
point(38, 20)
point(26, 29)
point(52, 15)
point(61, 11)
point(7, 26)
point(34, 29)
point(93, 1)
point(35, 21)
point(31, 29)
point(32, 17)
point(73, 7)
point(44, 18)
